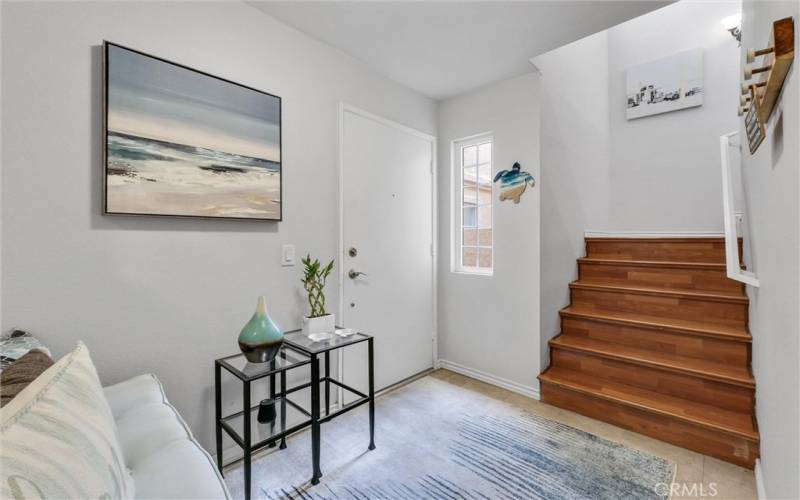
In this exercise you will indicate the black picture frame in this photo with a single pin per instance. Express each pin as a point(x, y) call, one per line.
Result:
point(105, 139)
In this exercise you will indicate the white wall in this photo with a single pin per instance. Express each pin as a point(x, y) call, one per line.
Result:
point(771, 184)
point(1, 177)
point(156, 294)
point(575, 163)
point(601, 172)
point(665, 168)
point(491, 323)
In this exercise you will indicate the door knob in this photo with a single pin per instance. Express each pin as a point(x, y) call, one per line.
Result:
point(353, 274)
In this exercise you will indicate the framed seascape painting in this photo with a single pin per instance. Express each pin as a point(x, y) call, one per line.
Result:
point(668, 84)
point(183, 143)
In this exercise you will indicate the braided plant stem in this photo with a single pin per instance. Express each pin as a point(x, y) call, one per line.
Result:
point(316, 299)
point(314, 284)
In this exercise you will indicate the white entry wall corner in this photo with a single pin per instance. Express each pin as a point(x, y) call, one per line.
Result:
point(575, 149)
point(607, 174)
point(771, 182)
point(1, 180)
point(664, 169)
point(163, 295)
point(490, 324)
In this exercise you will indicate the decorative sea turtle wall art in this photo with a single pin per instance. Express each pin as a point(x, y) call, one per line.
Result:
point(513, 182)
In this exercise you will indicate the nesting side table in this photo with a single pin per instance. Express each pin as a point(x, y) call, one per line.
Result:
point(297, 350)
point(299, 341)
point(243, 426)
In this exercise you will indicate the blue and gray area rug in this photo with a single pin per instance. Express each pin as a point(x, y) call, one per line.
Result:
point(436, 440)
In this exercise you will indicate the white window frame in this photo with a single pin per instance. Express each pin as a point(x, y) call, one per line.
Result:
point(457, 221)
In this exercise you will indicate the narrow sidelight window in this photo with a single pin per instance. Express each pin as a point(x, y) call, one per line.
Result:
point(473, 162)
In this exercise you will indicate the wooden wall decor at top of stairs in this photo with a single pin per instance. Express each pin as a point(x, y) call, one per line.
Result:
point(656, 341)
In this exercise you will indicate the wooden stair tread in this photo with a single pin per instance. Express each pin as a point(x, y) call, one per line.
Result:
point(729, 422)
point(652, 263)
point(731, 331)
point(724, 372)
point(655, 340)
point(719, 296)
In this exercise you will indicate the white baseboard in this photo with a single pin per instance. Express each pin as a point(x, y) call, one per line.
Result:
point(760, 488)
point(657, 234)
point(531, 392)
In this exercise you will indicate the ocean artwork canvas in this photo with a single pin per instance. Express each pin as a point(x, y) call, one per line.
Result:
point(180, 142)
point(667, 84)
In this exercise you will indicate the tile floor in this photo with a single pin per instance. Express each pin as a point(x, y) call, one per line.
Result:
point(708, 475)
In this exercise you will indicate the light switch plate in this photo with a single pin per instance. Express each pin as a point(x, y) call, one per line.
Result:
point(287, 255)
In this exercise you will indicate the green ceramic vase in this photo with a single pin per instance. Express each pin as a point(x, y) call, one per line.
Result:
point(260, 339)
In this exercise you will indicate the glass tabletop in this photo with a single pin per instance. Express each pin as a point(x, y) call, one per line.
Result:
point(287, 358)
point(289, 416)
point(299, 340)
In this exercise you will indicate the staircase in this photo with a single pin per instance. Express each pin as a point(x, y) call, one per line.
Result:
point(656, 341)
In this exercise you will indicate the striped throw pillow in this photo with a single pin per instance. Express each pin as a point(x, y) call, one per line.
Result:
point(59, 439)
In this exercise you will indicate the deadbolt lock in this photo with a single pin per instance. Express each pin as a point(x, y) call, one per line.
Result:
point(352, 252)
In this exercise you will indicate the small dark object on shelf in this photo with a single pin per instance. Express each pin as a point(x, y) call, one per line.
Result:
point(266, 411)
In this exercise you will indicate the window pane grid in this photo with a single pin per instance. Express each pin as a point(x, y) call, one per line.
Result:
point(476, 238)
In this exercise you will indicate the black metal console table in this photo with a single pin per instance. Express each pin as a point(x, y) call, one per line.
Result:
point(243, 426)
point(298, 350)
point(298, 340)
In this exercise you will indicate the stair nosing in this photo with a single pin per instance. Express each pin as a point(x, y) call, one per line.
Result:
point(688, 295)
point(753, 437)
point(663, 239)
point(748, 383)
point(655, 326)
point(653, 263)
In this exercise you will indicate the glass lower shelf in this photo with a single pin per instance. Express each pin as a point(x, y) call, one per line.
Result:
point(289, 417)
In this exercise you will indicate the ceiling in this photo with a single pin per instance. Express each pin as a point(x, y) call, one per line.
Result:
point(444, 48)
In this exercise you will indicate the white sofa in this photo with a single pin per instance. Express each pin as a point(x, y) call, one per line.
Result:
point(165, 460)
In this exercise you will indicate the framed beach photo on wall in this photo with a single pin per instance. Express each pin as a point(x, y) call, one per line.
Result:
point(183, 143)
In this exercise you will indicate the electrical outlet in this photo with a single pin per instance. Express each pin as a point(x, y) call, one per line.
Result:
point(287, 255)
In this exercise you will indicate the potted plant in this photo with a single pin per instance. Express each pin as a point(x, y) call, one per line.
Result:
point(314, 278)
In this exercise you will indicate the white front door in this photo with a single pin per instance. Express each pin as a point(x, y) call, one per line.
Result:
point(387, 234)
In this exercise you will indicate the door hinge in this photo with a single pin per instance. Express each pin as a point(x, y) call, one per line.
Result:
point(432, 250)
point(431, 166)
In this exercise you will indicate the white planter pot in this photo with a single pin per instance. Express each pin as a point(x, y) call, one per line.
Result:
point(322, 324)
